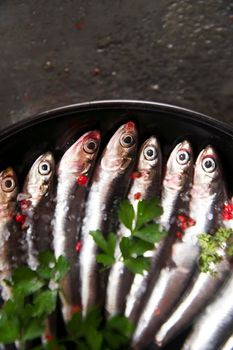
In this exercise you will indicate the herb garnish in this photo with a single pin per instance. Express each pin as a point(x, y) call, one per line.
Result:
point(34, 296)
point(144, 233)
point(213, 248)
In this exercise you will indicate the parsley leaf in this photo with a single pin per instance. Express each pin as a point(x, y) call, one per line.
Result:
point(126, 214)
point(138, 265)
point(147, 211)
point(151, 233)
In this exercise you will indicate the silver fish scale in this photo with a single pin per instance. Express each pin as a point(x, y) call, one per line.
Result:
point(216, 324)
point(229, 344)
point(107, 191)
point(196, 298)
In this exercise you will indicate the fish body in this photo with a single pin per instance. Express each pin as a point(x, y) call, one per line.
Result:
point(229, 344)
point(207, 198)
point(36, 203)
point(10, 236)
point(109, 184)
point(177, 182)
point(75, 166)
point(216, 323)
point(147, 185)
point(195, 300)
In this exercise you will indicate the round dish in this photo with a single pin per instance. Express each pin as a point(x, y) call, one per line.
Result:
point(57, 129)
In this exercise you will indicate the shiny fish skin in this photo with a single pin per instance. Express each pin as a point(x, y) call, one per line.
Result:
point(78, 160)
point(37, 206)
point(205, 208)
point(110, 183)
point(148, 185)
point(10, 236)
point(229, 344)
point(216, 323)
point(195, 300)
point(177, 181)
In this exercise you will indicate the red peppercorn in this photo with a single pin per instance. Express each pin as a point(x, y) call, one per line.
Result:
point(191, 222)
point(78, 246)
point(179, 235)
point(181, 218)
point(82, 180)
point(137, 195)
point(183, 226)
point(157, 312)
point(20, 218)
point(135, 175)
point(228, 208)
point(227, 216)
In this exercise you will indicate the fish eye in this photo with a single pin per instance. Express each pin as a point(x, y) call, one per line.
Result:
point(44, 167)
point(150, 153)
point(90, 146)
point(126, 140)
point(183, 157)
point(8, 184)
point(209, 164)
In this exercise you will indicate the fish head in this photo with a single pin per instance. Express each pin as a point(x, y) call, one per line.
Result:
point(8, 187)
point(179, 165)
point(149, 157)
point(39, 179)
point(79, 158)
point(208, 170)
point(120, 151)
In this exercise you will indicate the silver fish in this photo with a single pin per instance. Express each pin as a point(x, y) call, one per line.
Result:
point(205, 209)
point(175, 188)
point(149, 168)
point(36, 204)
point(196, 298)
point(74, 171)
point(229, 344)
point(216, 323)
point(110, 183)
point(9, 232)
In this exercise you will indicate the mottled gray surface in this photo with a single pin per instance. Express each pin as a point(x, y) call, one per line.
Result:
point(65, 51)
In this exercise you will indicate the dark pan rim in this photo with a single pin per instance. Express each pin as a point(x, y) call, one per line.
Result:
point(180, 112)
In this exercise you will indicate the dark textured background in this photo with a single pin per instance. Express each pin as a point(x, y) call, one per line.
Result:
point(65, 51)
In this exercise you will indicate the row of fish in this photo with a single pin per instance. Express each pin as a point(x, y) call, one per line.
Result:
point(58, 207)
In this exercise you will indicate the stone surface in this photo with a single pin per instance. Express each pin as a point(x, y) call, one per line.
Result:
point(55, 53)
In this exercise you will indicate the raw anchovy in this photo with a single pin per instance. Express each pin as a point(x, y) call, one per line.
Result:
point(205, 208)
point(37, 206)
point(110, 183)
point(197, 297)
point(147, 186)
point(175, 190)
point(229, 344)
point(195, 300)
point(216, 323)
point(74, 171)
point(10, 237)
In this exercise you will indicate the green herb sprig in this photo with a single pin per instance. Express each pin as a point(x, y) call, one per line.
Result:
point(92, 333)
point(213, 249)
point(144, 233)
point(33, 299)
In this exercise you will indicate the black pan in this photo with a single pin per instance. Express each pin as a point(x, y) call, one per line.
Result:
point(57, 129)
